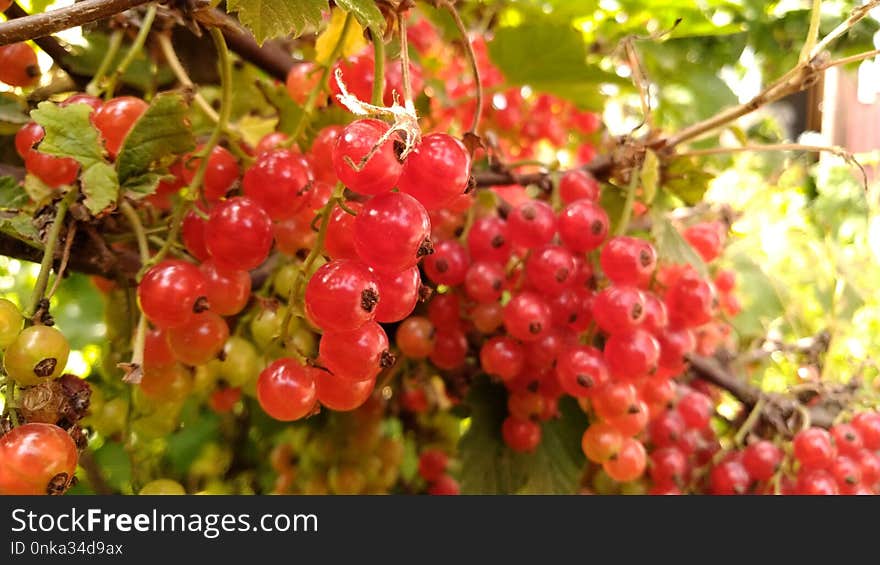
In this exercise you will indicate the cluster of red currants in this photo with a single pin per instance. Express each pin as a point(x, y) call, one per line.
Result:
point(433, 468)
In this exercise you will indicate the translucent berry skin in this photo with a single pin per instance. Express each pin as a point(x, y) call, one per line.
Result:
point(199, 340)
point(340, 394)
point(600, 442)
point(489, 240)
point(11, 321)
point(668, 467)
point(341, 296)
point(228, 291)
point(532, 224)
point(286, 390)
point(696, 409)
point(550, 269)
point(38, 354)
point(815, 482)
point(583, 226)
point(28, 136)
point(707, 239)
point(355, 355)
point(614, 399)
point(357, 74)
point(279, 181)
point(729, 477)
point(619, 309)
point(847, 439)
point(116, 118)
point(18, 65)
point(294, 235)
point(629, 463)
point(578, 185)
point(390, 232)
point(444, 310)
point(520, 435)
point(667, 429)
point(444, 486)
point(432, 464)
point(381, 171)
point(33, 454)
point(868, 425)
point(527, 317)
point(502, 357)
point(321, 154)
point(674, 345)
point(53, 171)
point(484, 282)
point(656, 317)
point(157, 352)
point(631, 355)
point(415, 337)
point(192, 232)
point(690, 301)
point(436, 171)
point(301, 80)
point(399, 292)
point(572, 309)
point(450, 348)
point(628, 260)
point(168, 292)
point(762, 459)
point(814, 448)
point(238, 234)
point(581, 370)
point(339, 241)
point(543, 353)
point(448, 264)
point(220, 173)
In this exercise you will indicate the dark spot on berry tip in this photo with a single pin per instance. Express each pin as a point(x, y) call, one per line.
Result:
point(387, 359)
point(426, 248)
point(633, 409)
point(533, 386)
point(201, 304)
point(497, 285)
point(441, 265)
point(497, 241)
point(32, 71)
point(529, 213)
point(637, 310)
point(645, 258)
point(58, 484)
point(597, 227)
point(572, 318)
point(221, 355)
point(46, 367)
point(584, 381)
point(535, 327)
point(561, 275)
point(369, 299)
point(425, 293)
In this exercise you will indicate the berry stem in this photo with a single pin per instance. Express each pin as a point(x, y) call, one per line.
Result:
point(813, 32)
point(192, 190)
point(10, 400)
point(301, 277)
point(94, 86)
point(140, 336)
point(65, 257)
point(183, 77)
point(133, 51)
point(49, 252)
point(472, 59)
point(321, 84)
point(752, 419)
point(378, 68)
point(626, 213)
point(404, 62)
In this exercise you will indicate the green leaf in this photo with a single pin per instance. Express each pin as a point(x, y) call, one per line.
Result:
point(650, 176)
point(289, 111)
point(490, 467)
point(161, 132)
point(21, 226)
point(276, 18)
point(69, 133)
point(12, 195)
point(366, 12)
point(13, 113)
point(144, 185)
point(35, 188)
point(613, 199)
point(560, 65)
point(142, 74)
point(686, 179)
point(185, 445)
point(671, 245)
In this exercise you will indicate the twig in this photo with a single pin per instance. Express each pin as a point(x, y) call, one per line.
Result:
point(813, 32)
point(65, 257)
point(851, 59)
point(472, 59)
point(53, 21)
point(404, 63)
point(173, 61)
point(600, 167)
point(855, 17)
point(49, 252)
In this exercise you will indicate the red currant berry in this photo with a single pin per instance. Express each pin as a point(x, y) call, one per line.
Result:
point(415, 337)
point(502, 357)
point(432, 464)
point(696, 409)
point(600, 442)
point(690, 301)
point(532, 224)
point(448, 264)
point(631, 355)
point(581, 370)
point(814, 448)
point(521, 435)
point(199, 340)
point(729, 477)
point(286, 390)
point(280, 182)
point(450, 348)
point(527, 317)
point(339, 241)
point(341, 394)
point(628, 260)
point(392, 232)
point(358, 354)
point(220, 172)
point(116, 118)
point(868, 426)
point(550, 269)
point(341, 296)
point(321, 154)
point(381, 170)
point(762, 459)
point(583, 226)
point(619, 309)
point(228, 292)
point(628, 463)
point(436, 171)
point(484, 282)
point(578, 185)
point(37, 459)
point(488, 240)
point(170, 292)
point(301, 80)
point(193, 233)
point(399, 293)
point(238, 234)
point(669, 467)
point(18, 65)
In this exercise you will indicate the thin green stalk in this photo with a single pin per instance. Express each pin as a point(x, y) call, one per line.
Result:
point(316, 251)
point(813, 32)
point(140, 336)
point(322, 82)
point(750, 422)
point(49, 252)
point(378, 69)
point(626, 213)
point(192, 191)
point(133, 51)
point(10, 400)
point(94, 86)
point(472, 59)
